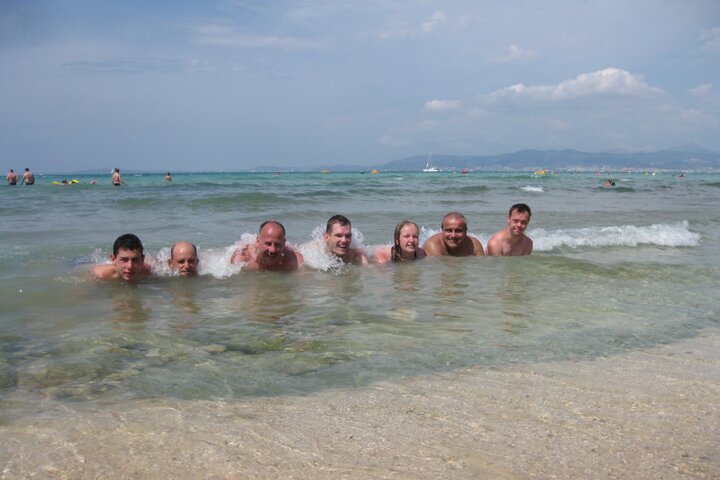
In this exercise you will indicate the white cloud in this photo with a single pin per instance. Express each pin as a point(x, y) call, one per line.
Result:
point(515, 53)
point(701, 90)
point(610, 82)
point(442, 105)
point(221, 35)
point(436, 19)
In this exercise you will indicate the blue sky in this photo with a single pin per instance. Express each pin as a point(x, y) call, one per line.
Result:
point(236, 84)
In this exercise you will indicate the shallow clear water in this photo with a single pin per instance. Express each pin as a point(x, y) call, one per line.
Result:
point(613, 270)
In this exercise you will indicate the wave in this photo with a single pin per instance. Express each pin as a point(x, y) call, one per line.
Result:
point(530, 188)
point(666, 235)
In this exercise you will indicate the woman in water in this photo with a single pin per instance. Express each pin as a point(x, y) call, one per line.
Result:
point(405, 245)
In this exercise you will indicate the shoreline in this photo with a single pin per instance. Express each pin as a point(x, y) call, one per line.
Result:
point(646, 414)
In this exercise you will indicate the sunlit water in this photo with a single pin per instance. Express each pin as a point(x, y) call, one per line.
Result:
point(613, 270)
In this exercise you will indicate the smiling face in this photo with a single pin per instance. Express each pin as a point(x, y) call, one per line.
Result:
point(518, 222)
point(338, 239)
point(408, 239)
point(184, 259)
point(454, 232)
point(270, 244)
point(128, 263)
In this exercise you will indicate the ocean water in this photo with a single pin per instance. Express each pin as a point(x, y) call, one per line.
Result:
point(614, 270)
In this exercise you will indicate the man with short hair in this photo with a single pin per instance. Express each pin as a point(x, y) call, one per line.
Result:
point(511, 240)
point(269, 252)
point(128, 261)
point(338, 237)
point(11, 177)
point(28, 177)
point(453, 240)
point(184, 259)
point(117, 178)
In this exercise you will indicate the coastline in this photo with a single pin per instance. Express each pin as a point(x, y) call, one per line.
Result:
point(647, 414)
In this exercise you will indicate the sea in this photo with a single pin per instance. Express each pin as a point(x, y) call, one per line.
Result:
point(614, 270)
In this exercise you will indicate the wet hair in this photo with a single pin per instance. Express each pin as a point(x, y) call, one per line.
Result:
point(172, 249)
point(395, 250)
point(340, 220)
point(27, 169)
point(453, 214)
point(127, 241)
point(262, 225)
point(520, 208)
point(117, 170)
point(12, 171)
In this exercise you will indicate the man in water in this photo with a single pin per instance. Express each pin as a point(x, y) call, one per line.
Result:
point(168, 177)
point(11, 177)
point(28, 178)
point(338, 236)
point(128, 261)
point(453, 240)
point(511, 240)
point(184, 259)
point(116, 178)
point(269, 252)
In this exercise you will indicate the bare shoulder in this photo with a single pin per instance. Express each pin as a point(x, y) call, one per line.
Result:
point(494, 246)
point(420, 253)
point(383, 255)
point(242, 255)
point(433, 245)
point(104, 271)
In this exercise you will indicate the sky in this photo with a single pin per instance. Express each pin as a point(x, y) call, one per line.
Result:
point(226, 85)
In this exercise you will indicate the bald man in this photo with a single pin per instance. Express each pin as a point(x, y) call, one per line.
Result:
point(269, 252)
point(453, 240)
point(184, 259)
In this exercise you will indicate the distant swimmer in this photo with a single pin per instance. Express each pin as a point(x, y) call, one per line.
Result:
point(184, 259)
point(511, 240)
point(609, 183)
point(11, 177)
point(338, 237)
point(405, 246)
point(453, 240)
point(269, 252)
point(128, 261)
point(116, 178)
point(28, 178)
point(168, 177)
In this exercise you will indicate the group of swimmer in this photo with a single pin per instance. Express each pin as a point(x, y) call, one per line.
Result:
point(27, 179)
point(270, 251)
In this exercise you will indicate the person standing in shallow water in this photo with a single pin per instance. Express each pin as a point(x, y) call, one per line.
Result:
point(453, 240)
point(28, 178)
point(116, 178)
point(11, 177)
point(405, 246)
point(511, 240)
point(168, 177)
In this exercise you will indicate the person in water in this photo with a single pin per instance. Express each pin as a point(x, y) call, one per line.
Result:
point(11, 177)
point(168, 177)
point(184, 259)
point(116, 178)
point(338, 237)
point(609, 183)
point(269, 252)
point(127, 261)
point(511, 240)
point(28, 178)
point(453, 240)
point(405, 245)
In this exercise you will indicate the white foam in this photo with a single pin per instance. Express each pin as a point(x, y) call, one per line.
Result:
point(667, 235)
point(531, 188)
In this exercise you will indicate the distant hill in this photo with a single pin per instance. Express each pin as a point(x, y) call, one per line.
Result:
point(671, 159)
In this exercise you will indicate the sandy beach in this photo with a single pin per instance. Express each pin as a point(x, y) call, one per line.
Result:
point(649, 414)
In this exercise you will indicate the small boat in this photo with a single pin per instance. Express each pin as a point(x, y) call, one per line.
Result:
point(430, 168)
point(464, 171)
point(324, 171)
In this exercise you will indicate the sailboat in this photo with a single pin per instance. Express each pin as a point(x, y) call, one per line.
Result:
point(431, 168)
